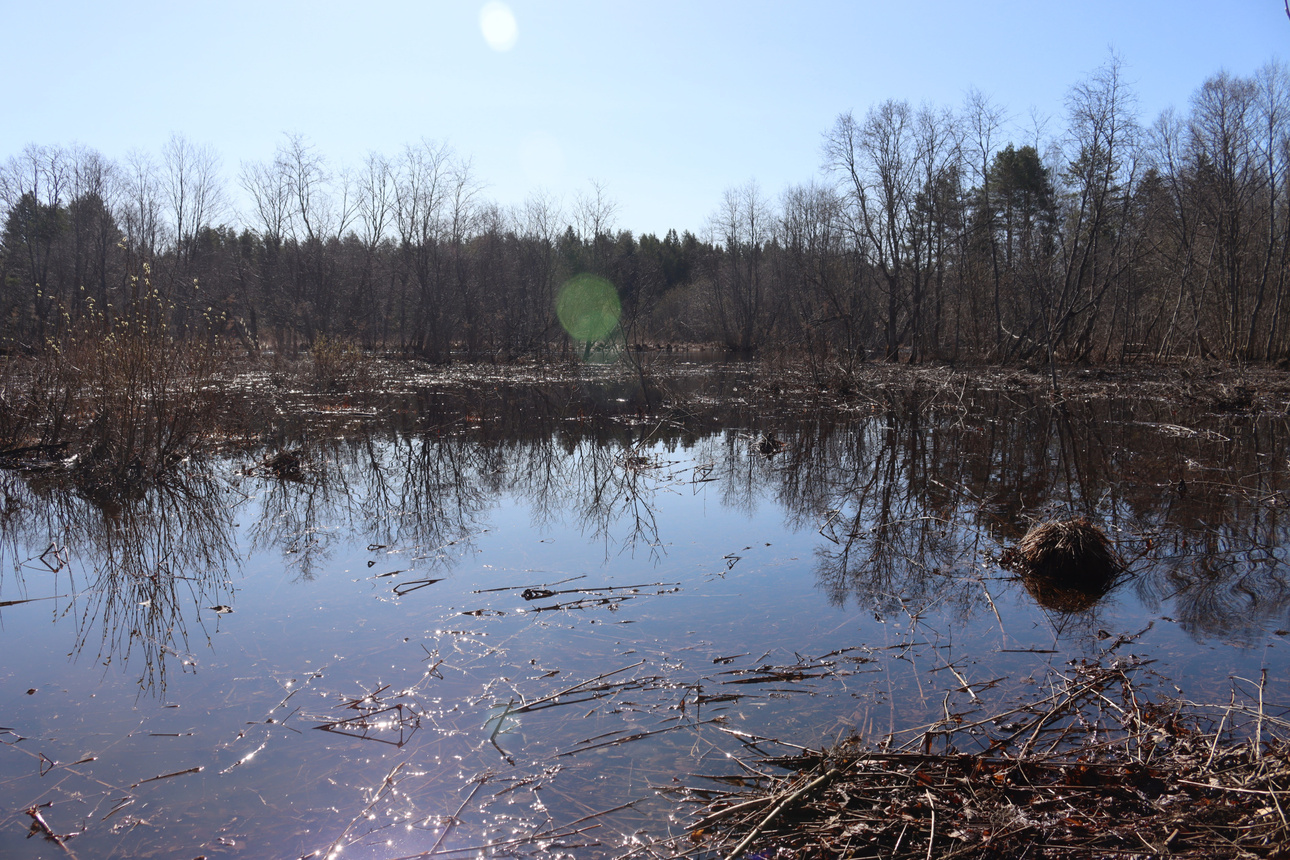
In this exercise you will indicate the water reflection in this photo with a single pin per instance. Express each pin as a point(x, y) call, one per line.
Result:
point(900, 509)
point(424, 492)
point(910, 504)
point(138, 579)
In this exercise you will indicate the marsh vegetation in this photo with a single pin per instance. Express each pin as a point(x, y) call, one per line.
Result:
point(538, 609)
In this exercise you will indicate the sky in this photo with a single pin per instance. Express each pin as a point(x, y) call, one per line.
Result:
point(665, 105)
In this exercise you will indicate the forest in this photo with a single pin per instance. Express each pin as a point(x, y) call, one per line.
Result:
point(929, 234)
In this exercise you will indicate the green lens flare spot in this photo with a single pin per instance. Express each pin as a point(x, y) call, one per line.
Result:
point(588, 307)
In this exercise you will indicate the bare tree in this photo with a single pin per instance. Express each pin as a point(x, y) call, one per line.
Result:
point(267, 188)
point(1179, 253)
point(1272, 145)
point(593, 213)
point(933, 216)
point(270, 196)
point(421, 194)
point(741, 296)
point(466, 217)
point(141, 207)
point(34, 186)
point(375, 215)
point(92, 223)
point(828, 311)
point(194, 189)
point(322, 209)
point(982, 124)
point(875, 162)
point(1097, 232)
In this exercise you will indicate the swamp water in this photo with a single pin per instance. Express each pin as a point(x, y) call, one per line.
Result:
point(512, 620)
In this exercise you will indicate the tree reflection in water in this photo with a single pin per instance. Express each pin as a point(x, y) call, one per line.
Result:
point(912, 500)
point(915, 503)
point(901, 508)
point(134, 575)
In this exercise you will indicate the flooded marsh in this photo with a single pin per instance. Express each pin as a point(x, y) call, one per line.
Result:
point(484, 614)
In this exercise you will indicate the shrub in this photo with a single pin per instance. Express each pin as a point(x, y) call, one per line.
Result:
point(117, 388)
point(338, 364)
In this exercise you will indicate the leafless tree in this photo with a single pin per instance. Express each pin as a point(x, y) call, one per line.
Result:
point(1102, 167)
point(1272, 145)
point(92, 224)
point(742, 226)
point(194, 188)
point(35, 184)
point(875, 163)
point(422, 195)
point(594, 212)
point(982, 124)
point(141, 206)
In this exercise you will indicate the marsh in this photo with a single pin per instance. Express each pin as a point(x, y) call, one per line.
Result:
point(524, 610)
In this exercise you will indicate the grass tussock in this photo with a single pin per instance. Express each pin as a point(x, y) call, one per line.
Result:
point(1067, 565)
point(337, 364)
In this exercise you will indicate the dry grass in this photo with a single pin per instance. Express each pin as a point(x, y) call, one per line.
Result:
point(1094, 770)
point(1065, 564)
point(336, 364)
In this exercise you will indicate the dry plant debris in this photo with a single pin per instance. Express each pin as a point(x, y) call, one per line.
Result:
point(1066, 565)
point(1094, 770)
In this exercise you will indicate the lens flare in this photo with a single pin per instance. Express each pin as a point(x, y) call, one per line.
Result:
point(497, 22)
point(588, 307)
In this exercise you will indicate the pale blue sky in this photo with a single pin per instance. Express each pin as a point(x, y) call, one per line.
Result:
point(666, 103)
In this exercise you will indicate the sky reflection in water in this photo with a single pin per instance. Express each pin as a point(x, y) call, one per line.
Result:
point(523, 630)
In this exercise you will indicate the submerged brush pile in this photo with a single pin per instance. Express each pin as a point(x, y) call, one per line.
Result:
point(1091, 770)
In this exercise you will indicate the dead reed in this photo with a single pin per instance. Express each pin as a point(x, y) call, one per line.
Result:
point(1094, 770)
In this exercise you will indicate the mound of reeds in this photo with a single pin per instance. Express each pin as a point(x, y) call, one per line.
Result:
point(1066, 565)
point(337, 365)
point(1092, 771)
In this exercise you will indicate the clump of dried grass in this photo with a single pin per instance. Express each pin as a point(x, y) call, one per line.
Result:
point(1066, 565)
point(338, 365)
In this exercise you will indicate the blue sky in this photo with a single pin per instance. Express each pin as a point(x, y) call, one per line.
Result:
point(667, 104)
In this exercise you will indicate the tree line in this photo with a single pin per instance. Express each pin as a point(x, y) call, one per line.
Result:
point(930, 233)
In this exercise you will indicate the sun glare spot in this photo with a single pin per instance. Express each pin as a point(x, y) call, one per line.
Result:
point(497, 23)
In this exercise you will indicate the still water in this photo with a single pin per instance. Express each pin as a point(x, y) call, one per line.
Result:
point(527, 617)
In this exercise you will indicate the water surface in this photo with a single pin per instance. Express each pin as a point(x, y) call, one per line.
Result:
point(528, 616)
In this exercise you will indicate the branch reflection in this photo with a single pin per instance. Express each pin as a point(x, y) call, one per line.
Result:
point(138, 575)
point(913, 500)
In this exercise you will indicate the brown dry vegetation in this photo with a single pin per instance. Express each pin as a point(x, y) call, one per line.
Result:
point(1067, 565)
point(117, 402)
point(1092, 770)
